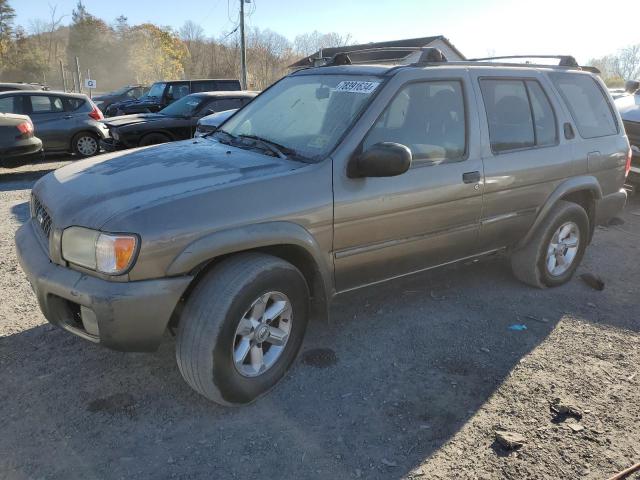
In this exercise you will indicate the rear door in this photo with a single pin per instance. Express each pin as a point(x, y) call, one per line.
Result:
point(525, 158)
point(50, 120)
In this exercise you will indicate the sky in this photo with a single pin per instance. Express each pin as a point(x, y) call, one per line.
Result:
point(583, 28)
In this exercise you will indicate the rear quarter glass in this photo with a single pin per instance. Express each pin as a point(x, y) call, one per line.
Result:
point(590, 108)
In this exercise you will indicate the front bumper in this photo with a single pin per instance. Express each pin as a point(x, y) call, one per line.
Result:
point(609, 206)
point(127, 316)
point(111, 145)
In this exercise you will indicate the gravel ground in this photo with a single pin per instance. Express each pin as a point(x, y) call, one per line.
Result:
point(408, 380)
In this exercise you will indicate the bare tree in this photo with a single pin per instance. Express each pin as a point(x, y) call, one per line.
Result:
point(308, 43)
point(627, 63)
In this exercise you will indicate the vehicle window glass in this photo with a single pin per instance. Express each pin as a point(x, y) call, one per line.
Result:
point(73, 104)
point(202, 87)
point(44, 104)
point(306, 113)
point(508, 114)
point(157, 90)
point(131, 93)
point(178, 90)
point(543, 117)
point(588, 106)
point(7, 105)
point(427, 117)
point(227, 104)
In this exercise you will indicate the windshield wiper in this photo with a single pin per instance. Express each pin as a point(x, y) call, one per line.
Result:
point(268, 144)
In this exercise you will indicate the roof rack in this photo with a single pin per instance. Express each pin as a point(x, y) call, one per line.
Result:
point(428, 55)
point(565, 60)
point(433, 56)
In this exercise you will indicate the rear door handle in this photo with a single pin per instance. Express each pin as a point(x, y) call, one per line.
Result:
point(471, 177)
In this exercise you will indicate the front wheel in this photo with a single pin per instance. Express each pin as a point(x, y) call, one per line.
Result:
point(554, 252)
point(242, 327)
point(85, 144)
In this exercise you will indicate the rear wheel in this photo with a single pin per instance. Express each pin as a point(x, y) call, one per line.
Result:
point(85, 144)
point(553, 254)
point(154, 139)
point(242, 328)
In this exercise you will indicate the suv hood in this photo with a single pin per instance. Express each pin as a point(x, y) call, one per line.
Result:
point(91, 192)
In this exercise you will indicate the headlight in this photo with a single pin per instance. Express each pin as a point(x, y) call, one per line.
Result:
point(108, 253)
point(115, 135)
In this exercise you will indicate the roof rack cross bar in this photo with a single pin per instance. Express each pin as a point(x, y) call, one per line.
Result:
point(564, 60)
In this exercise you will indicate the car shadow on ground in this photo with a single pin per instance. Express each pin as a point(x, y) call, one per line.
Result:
point(395, 373)
point(404, 367)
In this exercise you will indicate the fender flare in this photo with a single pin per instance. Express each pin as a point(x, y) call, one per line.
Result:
point(571, 185)
point(251, 237)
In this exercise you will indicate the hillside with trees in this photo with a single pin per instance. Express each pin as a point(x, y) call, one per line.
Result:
point(118, 53)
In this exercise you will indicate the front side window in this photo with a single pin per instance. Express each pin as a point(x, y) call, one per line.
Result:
point(519, 114)
point(587, 103)
point(307, 114)
point(427, 117)
point(157, 90)
point(177, 90)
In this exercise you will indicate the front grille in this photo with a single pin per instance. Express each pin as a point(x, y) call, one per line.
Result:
point(41, 216)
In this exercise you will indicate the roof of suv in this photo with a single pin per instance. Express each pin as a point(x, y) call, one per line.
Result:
point(227, 93)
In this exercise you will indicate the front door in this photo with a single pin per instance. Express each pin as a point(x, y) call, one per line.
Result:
point(387, 227)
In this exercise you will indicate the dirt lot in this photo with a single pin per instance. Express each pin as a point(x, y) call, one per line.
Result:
point(425, 370)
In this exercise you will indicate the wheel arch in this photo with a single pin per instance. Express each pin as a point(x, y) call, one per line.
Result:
point(583, 190)
point(81, 131)
point(285, 240)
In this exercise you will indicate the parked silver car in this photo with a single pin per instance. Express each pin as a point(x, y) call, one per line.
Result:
point(65, 122)
point(333, 179)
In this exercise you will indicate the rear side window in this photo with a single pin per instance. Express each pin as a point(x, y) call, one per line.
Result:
point(45, 104)
point(587, 103)
point(519, 114)
point(197, 87)
point(427, 117)
point(227, 104)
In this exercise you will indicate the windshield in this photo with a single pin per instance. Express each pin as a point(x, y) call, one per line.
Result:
point(306, 114)
point(120, 91)
point(185, 107)
point(157, 89)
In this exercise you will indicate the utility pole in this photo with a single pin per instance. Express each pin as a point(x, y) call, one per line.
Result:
point(243, 48)
point(64, 79)
point(78, 73)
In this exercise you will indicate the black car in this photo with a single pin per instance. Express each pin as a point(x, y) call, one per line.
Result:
point(65, 122)
point(629, 107)
point(128, 93)
point(178, 121)
point(17, 141)
point(162, 94)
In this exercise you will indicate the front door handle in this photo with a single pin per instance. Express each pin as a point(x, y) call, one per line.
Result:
point(471, 177)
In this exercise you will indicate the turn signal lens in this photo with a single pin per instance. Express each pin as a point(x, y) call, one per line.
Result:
point(627, 167)
point(114, 253)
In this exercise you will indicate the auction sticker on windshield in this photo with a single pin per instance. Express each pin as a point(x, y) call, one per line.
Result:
point(357, 86)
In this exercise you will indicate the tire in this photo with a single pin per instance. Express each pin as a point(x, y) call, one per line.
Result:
point(85, 144)
point(208, 333)
point(154, 139)
point(531, 264)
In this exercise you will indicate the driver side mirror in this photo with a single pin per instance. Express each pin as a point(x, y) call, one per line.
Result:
point(386, 159)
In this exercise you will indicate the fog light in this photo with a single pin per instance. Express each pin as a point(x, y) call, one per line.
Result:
point(89, 321)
